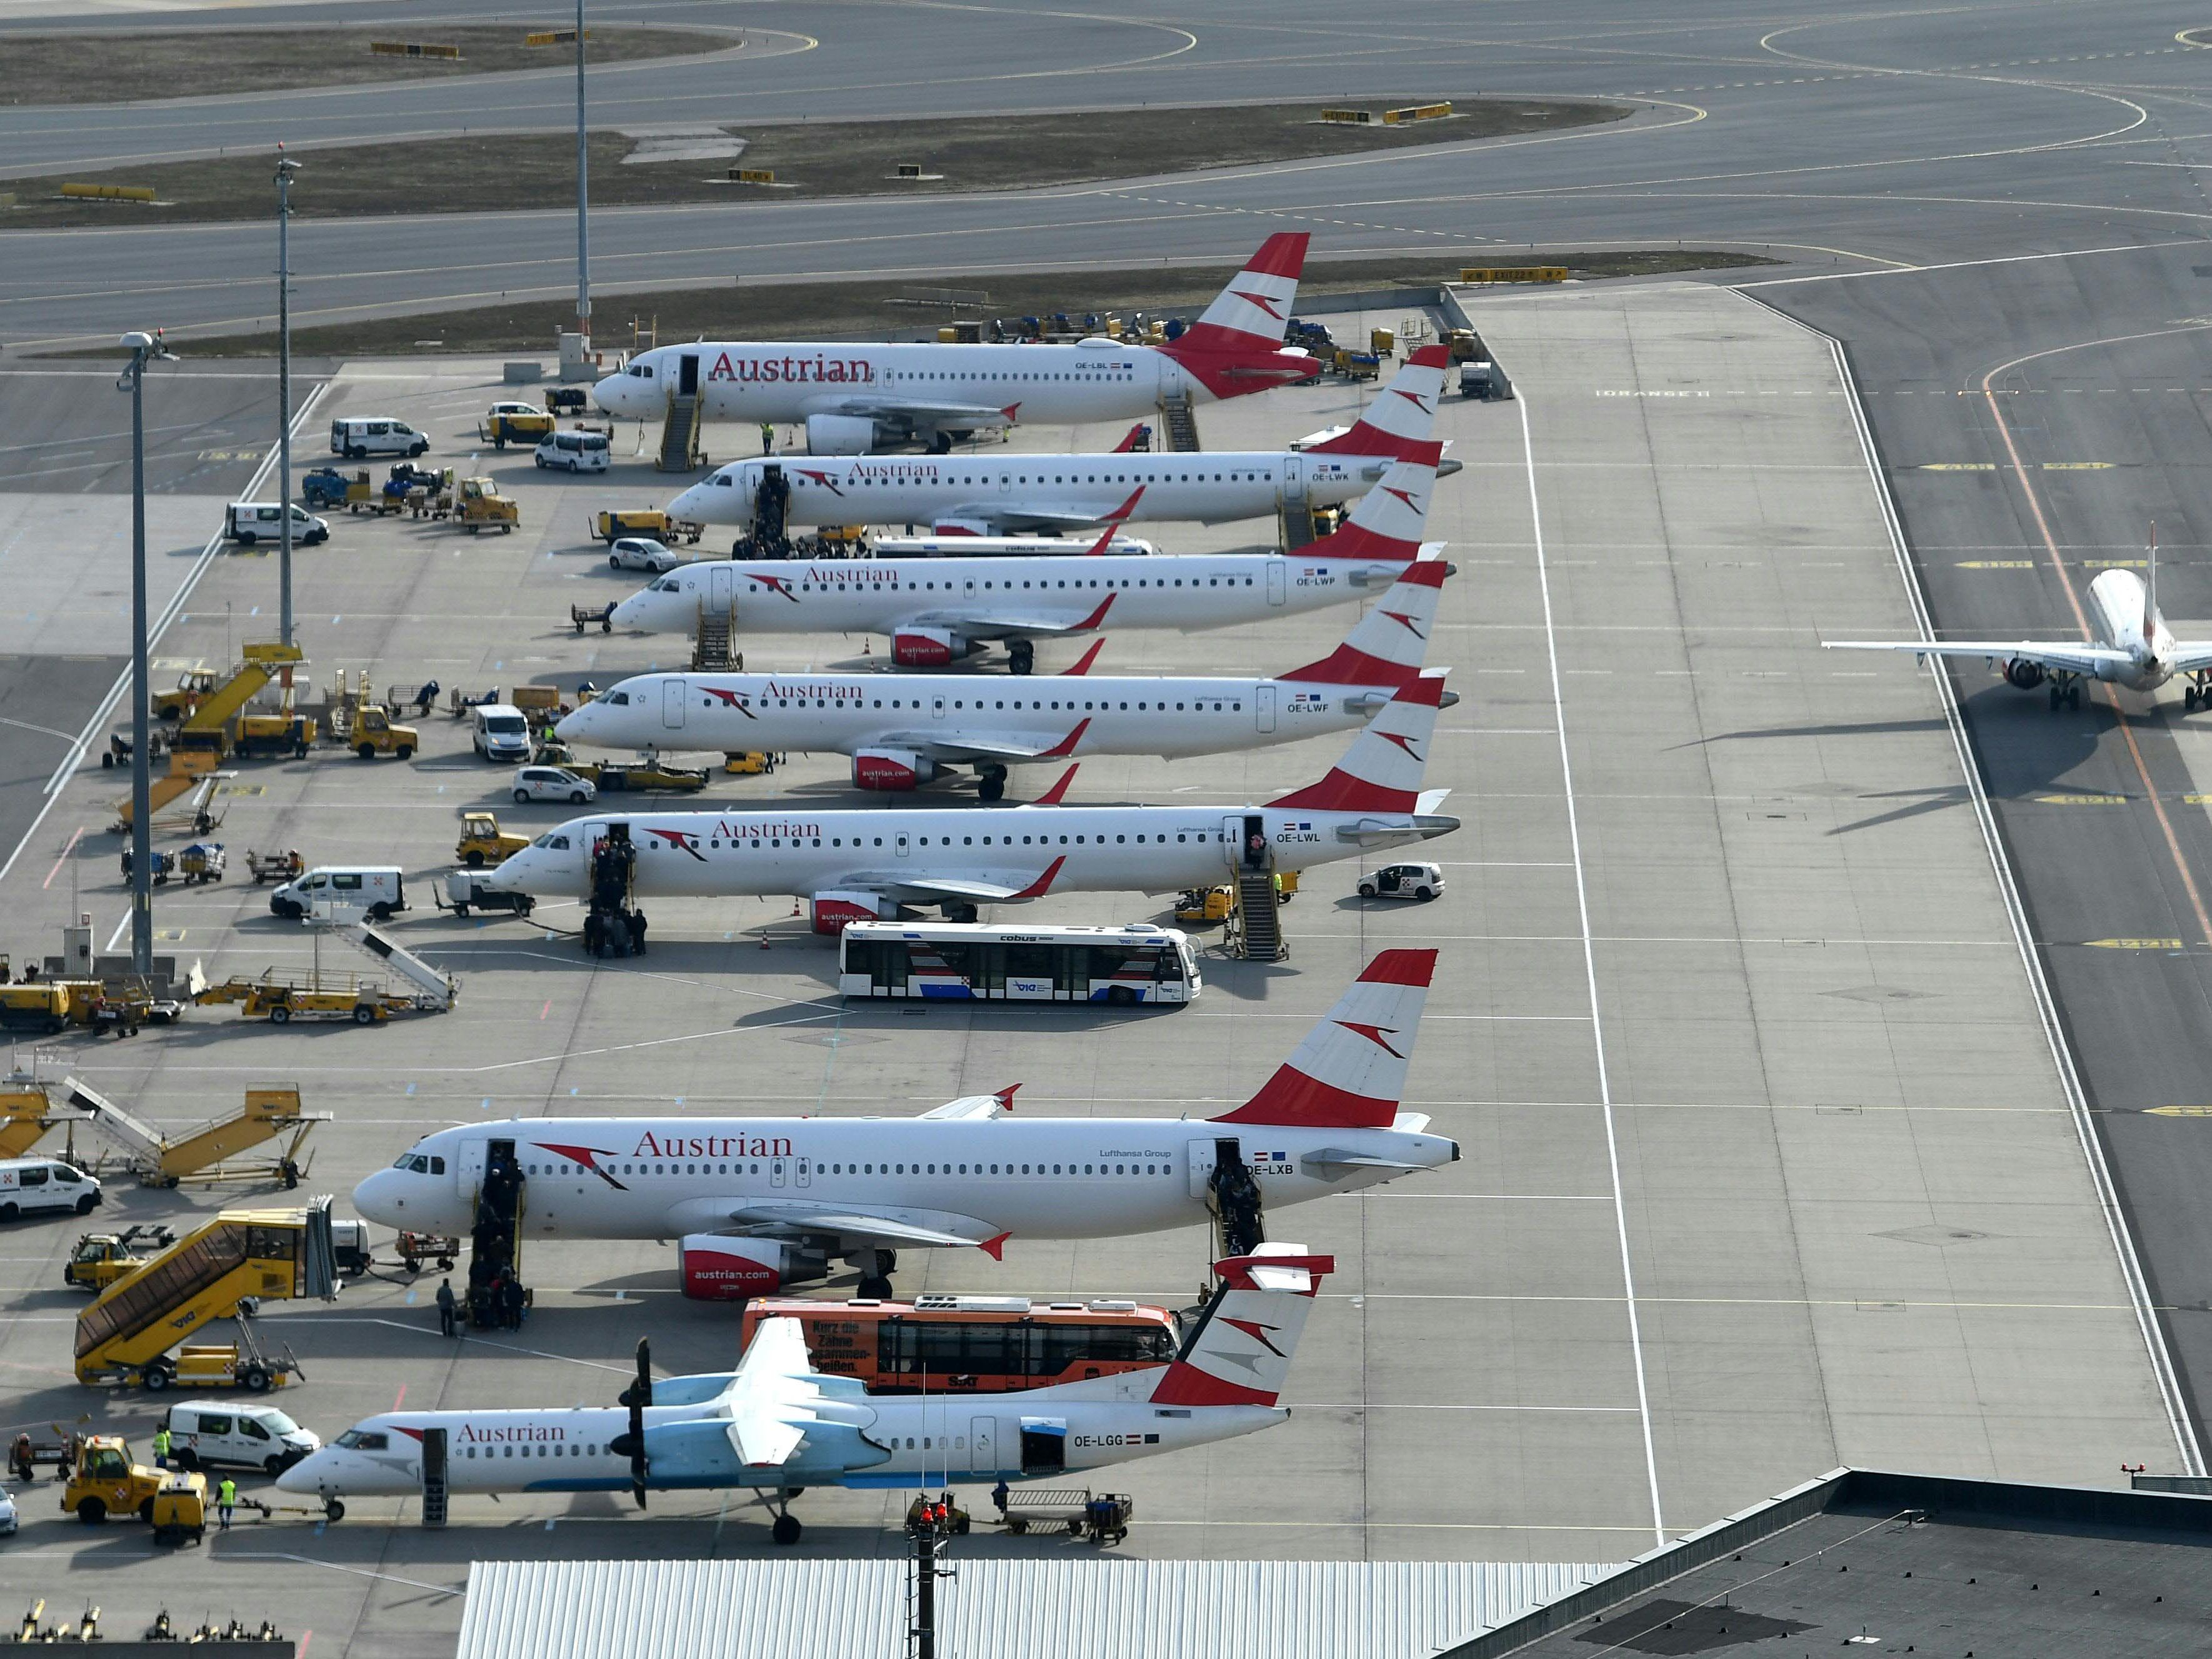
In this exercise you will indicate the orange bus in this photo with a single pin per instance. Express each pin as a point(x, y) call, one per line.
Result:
point(974, 1344)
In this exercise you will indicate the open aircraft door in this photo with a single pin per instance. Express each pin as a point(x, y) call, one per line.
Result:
point(687, 374)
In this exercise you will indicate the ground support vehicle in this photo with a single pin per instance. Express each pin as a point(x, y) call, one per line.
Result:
point(581, 616)
point(100, 1259)
point(104, 1479)
point(1418, 881)
point(1357, 365)
point(372, 734)
point(326, 487)
point(180, 1507)
point(322, 996)
point(515, 423)
point(237, 1433)
point(415, 1248)
point(748, 762)
point(651, 522)
point(33, 1008)
point(273, 866)
point(1104, 1517)
point(464, 890)
point(211, 1152)
point(483, 841)
point(477, 505)
point(240, 1364)
point(643, 776)
point(162, 865)
point(224, 1267)
point(202, 861)
point(552, 783)
point(264, 737)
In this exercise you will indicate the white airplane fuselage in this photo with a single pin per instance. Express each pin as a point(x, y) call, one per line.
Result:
point(1062, 717)
point(2121, 616)
point(1031, 1177)
point(1020, 851)
point(1007, 489)
point(1001, 598)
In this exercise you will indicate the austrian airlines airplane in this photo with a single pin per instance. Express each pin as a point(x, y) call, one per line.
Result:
point(853, 396)
point(905, 730)
point(778, 1425)
point(762, 1202)
point(863, 866)
point(936, 610)
point(2131, 646)
point(1009, 491)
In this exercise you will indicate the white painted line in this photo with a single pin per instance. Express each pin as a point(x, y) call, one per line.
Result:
point(2062, 1053)
point(154, 629)
point(1590, 971)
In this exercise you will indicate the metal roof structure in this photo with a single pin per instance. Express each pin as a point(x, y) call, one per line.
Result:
point(999, 1608)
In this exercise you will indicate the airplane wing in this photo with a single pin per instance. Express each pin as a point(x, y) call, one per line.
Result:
point(922, 1228)
point(925, 412)
point(772, 1395)
point(977, 745)
point(991, 622)
point(2193, 656)
point(1000, 1104)
point(2071, 658)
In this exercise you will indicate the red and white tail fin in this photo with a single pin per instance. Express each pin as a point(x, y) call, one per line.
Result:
point(1252, 312)
point(1386, 647)
point(1381, 770)
point(1239, 1354)
point(1350, 1073)
point(1401, 415)
point(1388, 521)
point(1129, 441)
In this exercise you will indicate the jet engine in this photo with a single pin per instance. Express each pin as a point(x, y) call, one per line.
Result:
point(893, 771)
point(2027, 675)
point(831, 912)
point(722, 1267)
point(840, 434)
point(927, 648)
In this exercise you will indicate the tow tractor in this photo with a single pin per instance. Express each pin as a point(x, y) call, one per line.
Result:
point(483, 841)
point(515, 423)
point(611, 527)
point(638, 776)
point(478, 503)
point(104, 1479)
point(100, 1259)
point(326, 487)
point(613, 926)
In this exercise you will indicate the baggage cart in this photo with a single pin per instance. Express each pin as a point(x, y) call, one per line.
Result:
point(581, 616)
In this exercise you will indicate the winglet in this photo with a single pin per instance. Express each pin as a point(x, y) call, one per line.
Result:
point(1066, 747)
point(1042, 885)
point(1053, 796)
point(1097, 618)
point(1005, 1098)
point(1128, 444)
point(1120, 515)
point(1083, 663)
point(995, 1246)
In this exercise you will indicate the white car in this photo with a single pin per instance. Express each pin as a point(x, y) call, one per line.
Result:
point(1413, 881)
point(643, 553)
point(552, 783)
point(8, 1517)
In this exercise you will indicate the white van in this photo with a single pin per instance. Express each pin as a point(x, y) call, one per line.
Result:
point(375, 435)
point(343, 893)
point(248, 522)
point(578, 452)
point(501, 733)
point(29, 1185)
point(230, 1432)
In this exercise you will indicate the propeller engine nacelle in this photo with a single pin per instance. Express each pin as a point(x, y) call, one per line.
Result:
point(717, 1267)
point(832, 912)
point(2021, 672)
point(840, 434)
point(927, 647)
point(893, 771)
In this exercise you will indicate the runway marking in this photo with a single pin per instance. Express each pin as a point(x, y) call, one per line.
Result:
point(358, 1572)
point(1997, 564)
point(2133, 943)
point(1589, 974)
point(2081, 800)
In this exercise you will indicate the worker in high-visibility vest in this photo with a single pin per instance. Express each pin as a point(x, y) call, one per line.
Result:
point(226, 1499)
point(162, 1447)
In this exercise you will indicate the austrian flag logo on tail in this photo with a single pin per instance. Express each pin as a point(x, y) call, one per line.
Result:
point(1374, 1034)
point(1259, 299)
point(1405, 495)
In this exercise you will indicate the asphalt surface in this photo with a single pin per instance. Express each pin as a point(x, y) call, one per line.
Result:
point(2051, 155)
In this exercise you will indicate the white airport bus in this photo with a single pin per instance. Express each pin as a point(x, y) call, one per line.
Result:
point(971, 961)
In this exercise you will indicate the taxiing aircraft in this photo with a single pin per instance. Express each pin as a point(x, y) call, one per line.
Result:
point(777, 1425)
point(852, 396)
point(762, 1202)
point(903, 730)
point(938, 610)
point(1007, 492)
point(865, 865)
point(2131, 646)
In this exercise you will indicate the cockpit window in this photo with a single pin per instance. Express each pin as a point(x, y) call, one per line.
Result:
point(416, 1163)
point(553, 840)
point(667, 585)
point(723, 479)
point(620, 699)
point(365, 1440)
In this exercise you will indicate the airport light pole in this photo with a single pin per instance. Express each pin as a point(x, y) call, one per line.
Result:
point(144, 348)
point(583, 196)
point(285, 168)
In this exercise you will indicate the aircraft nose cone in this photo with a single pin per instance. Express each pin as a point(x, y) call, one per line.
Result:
point(625, 614)
point(378, 1201)
point(573, 727)
point(302, 1476)
point(608, 395)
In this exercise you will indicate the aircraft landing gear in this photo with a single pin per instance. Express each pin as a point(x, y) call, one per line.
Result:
point(875, 1268)
point(940, 443)
point(787, 1529)
point(2065, 691)
point(1021, 656)
point(960, 913)
point(990, 782)
point(2197, 694)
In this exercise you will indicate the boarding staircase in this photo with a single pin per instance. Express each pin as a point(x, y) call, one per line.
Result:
point(712, 643)
point(679, 434)
point(495, 1233)
point(434, 1454)
point(271, 1113)
point(434, 991)
point(1180, 424)
point(1258, 918)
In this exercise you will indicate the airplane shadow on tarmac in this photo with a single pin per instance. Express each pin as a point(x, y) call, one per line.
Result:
point(2021, 746)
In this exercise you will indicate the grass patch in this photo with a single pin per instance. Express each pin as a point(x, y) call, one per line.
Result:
point(814, 310)
point(127, 66)
point(816, 159)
